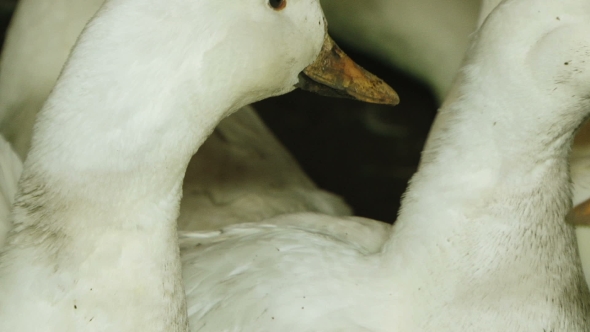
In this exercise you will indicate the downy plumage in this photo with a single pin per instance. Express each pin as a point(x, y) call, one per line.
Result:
point(94, 245)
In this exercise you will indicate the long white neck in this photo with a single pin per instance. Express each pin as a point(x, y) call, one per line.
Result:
point(488, 204)
point(95, 243)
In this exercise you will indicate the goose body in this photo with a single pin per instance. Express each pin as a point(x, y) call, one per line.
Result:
point(481, 242)
point(242, 173)
point(94, 244)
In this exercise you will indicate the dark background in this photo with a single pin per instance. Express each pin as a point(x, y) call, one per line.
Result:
point(365, 153)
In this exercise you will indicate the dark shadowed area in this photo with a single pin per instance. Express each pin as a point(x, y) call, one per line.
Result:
point(365, 153)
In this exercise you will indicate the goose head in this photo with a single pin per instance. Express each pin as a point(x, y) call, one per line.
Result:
point(295, 52)
point(254, 48)
point(260, 46)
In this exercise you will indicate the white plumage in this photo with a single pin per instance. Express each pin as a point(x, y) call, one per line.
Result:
point(481, 243)
point(242, 173)
point(94, 245)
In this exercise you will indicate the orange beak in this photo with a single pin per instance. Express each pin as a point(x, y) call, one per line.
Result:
point(334, 74)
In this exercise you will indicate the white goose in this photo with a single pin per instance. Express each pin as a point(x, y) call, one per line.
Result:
point(95, 246)
point(250, 175)
point(480, 244)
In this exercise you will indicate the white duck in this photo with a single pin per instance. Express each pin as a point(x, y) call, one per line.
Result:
point(250, 175)
point(95, 246)
point(480, 244)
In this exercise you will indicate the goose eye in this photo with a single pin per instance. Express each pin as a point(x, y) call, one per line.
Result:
point(277, 4)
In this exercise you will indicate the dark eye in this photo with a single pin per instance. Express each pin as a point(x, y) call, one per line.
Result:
point(277, 4)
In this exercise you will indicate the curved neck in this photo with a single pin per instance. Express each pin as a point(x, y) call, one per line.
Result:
point(100, 192)
point(489, 201)
point(119, 130)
